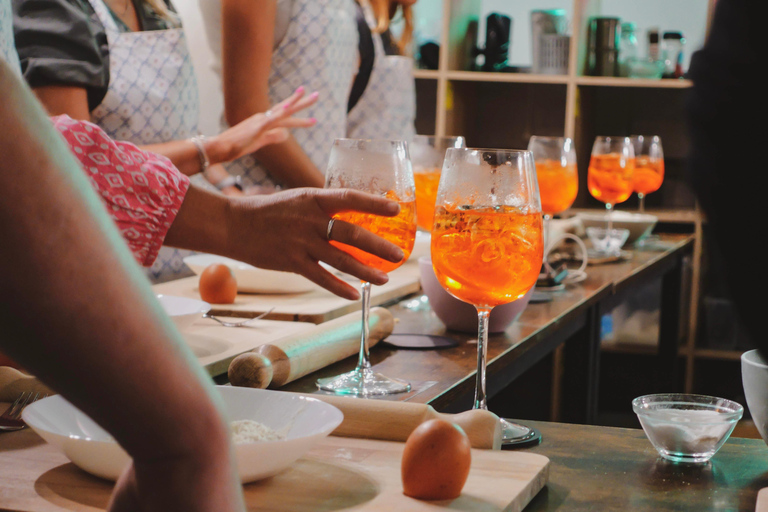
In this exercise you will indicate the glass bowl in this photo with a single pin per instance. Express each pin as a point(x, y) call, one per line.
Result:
point(607, 242)
point(687, 428)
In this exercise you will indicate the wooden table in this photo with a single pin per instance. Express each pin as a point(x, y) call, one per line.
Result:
point(612, 469)
point(446, 378)
point(591, 469)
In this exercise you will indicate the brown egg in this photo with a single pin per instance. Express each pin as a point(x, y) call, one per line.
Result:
point(218, 284)
point(436, 461)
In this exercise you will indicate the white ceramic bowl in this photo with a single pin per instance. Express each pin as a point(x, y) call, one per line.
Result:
point(93, 450)
point(754, 377)
point(182, 310)
point(687, 428)
point(639, 225)
point(252, 279)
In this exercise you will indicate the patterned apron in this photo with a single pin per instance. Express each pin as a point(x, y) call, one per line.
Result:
point(387, 108)
point(318, 51)
point(152, 98)
point(7, 46)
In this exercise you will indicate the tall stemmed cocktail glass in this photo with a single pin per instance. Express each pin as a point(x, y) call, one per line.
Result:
point(649, 166)
point(427, 155)
point(610, 174)
point(379, 167)
point(557, 174)
point(487, 244)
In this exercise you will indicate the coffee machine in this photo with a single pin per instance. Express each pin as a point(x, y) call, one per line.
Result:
point(498, 32)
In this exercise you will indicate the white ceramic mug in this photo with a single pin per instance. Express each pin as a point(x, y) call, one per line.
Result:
point(754, 377)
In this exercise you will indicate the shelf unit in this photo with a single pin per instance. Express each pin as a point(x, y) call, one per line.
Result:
point(505, 109)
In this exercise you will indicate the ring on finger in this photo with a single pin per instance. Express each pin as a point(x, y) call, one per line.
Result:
point(329, 229)
point(268, 114)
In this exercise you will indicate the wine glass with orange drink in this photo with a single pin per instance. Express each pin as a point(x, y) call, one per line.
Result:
point(487, 243)
point(649, 166)
point(427, 154)
point(610, 175)
point(558, 177)
point(379, 167)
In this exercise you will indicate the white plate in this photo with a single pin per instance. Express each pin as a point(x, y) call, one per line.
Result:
point(182, 310)
point(93, 450)
point(251, 279)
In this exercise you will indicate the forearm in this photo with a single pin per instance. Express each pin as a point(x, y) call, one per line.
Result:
point(202, 223)
point(290, 166)
point(104, 343)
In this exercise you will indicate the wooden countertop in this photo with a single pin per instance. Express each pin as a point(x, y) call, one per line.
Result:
point(446, 378)
point(610, 469)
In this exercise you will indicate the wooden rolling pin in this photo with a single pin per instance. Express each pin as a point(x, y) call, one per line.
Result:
point(13, 383)
point(292, 357)
point(394, 421)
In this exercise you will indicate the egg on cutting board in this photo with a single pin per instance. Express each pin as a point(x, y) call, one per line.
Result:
point(436, 461)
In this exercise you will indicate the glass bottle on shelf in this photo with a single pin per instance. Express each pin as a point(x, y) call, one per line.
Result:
point(672, 51)
point(628, 47)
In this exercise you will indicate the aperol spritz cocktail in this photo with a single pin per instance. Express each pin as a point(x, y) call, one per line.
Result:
point(610, 178)
point(487, 244)
point(487, 256)
point(427, 154)
point(399, 230)
point(649, 166)
point(380, 167)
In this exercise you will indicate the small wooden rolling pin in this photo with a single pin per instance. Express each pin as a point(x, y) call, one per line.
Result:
point(394, 421)
point(13, 383)
point(292, 357)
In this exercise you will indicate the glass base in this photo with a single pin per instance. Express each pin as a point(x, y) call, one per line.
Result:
point(515, 434)
point(363, 383)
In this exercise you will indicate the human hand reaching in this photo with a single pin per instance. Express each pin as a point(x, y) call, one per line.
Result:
point(288, 231)
point(261, 129)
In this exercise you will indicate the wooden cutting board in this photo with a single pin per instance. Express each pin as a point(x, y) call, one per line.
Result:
point(316, 306)
point(216, 346)
point(339, 474)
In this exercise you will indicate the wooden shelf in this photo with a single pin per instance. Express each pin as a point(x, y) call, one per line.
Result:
point(426, 74)
point(607, 81)
point(525, 78)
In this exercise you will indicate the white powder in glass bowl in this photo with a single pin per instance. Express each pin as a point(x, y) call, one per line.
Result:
point(250, 431)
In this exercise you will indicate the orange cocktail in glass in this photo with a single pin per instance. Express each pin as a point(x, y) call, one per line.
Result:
point(649, 166)
point(427, 154)
point(426, 181)
point(400, 230)
point(610, 178)
point(379, 167)
point(487, 244)
point(558, 185)
point(487, 256)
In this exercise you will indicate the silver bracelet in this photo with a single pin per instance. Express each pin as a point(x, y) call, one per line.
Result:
point(198, 141)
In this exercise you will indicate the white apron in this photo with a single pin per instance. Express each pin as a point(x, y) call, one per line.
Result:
point(7, 46)
point(318, 51)
point(387, 107)
point(152, 98)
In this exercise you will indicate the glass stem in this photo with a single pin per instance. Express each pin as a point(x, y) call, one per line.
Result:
point(483, 313)
point(641, 199)
point(609, 207)
point(363, 362)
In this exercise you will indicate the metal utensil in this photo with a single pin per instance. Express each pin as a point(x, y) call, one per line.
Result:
point(11, 418)
point(244, 323)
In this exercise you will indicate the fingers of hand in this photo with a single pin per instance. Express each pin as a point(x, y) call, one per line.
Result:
point(321, 277)
point(340, 199)
point(364, 240)
point(342, 261)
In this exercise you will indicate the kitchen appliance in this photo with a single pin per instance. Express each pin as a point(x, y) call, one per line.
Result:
point(603, 47)
point(498, 32)
point(549, 41)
